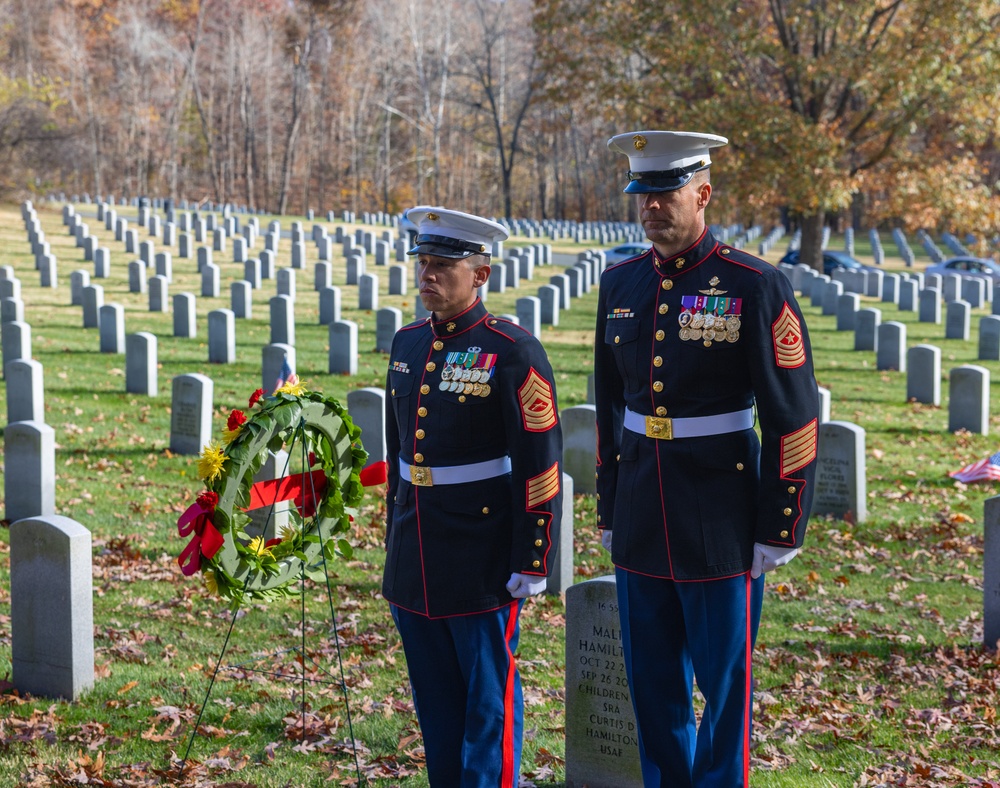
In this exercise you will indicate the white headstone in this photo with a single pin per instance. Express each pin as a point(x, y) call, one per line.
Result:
point(16, 341)
point(969, 399)
point(273, 358)
point(367, 409)
point(329, 305)
point(190, 413)
point(343, 348)
point(991, 573)
point(159, 296)
point(112, 328)
point(240, 296)
point(841, 485)
point(29, 469)
point(890, 346)
point(93, 300)
point(368, 292)
point(923, 376)
point(388, 321)
point(184, 315)
point(579, 428)
point(25, 390)
point(141, 364)
point(221, 336)
point(561, 561)
point(51, 605)
point(282, 319)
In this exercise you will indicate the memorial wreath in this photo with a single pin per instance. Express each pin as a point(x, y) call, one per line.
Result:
point(325, 489)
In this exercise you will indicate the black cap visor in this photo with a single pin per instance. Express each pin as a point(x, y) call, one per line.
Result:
point(443, 246)
point(661, 180)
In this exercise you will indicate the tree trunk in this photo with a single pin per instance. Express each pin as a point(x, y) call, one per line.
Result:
point(811, 247)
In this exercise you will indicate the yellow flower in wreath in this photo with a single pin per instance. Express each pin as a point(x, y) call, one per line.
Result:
point(259, 547)
point(295, 388)
point(211, 582)
point(211, 462)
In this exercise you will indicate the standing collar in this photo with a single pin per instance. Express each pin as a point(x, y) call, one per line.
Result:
point(463, 321)
point(685, 260)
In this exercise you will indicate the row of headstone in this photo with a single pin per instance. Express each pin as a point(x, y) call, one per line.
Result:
point(903, 246)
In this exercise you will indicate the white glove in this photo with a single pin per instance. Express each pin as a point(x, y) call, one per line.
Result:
point(767, 557)
point(520, 586)
point(606, 539)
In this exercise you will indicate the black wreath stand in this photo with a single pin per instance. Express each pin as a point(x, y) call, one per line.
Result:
point(297, 437)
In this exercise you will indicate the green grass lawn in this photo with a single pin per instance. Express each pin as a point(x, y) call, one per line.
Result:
point(869, 662)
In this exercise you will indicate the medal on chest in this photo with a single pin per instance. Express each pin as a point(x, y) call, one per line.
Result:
point(468, 372)
point(710, 317)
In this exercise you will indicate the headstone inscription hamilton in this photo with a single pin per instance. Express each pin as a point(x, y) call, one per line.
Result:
point(602, 748)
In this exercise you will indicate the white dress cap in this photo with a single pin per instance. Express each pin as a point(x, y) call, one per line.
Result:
point(661, 161)
point(445, 233)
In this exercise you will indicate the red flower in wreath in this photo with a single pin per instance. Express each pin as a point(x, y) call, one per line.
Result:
point(255, 397)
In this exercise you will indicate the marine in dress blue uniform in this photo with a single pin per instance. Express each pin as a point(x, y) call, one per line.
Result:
point(695, 341)
point(474, 451)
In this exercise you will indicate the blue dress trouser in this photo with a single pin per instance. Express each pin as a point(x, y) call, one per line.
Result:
point(467, 694)
point(673, 632)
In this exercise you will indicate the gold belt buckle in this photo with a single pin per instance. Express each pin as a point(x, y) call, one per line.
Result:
point(421, 477)
point(659, 428)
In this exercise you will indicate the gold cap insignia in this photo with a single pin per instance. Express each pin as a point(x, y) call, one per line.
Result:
point(482, 248)
point(432, 217)
point(638, 142)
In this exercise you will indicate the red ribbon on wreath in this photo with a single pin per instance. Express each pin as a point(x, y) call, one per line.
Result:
point(206, 540)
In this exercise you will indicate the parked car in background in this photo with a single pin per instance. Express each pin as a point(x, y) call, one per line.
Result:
point(981, 267)
point(624, 252)
point(832, 260)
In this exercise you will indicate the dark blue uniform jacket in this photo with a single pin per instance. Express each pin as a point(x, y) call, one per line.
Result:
point(452, 548)
point(709, 331)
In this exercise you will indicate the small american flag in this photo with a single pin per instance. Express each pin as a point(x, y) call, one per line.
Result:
point(286, 375)
point(978, 471)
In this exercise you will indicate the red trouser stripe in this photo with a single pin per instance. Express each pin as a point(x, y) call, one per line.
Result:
point(747, 690)
point(507, 770)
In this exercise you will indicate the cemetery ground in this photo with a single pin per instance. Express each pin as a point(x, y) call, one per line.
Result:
point(870, 668)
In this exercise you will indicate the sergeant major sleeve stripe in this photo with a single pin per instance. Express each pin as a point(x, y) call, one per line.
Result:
point(543, 487)
point(798, 448)
point(538, 407)
point(789, 351)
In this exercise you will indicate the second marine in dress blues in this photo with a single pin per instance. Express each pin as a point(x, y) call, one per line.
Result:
point(474, 447)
